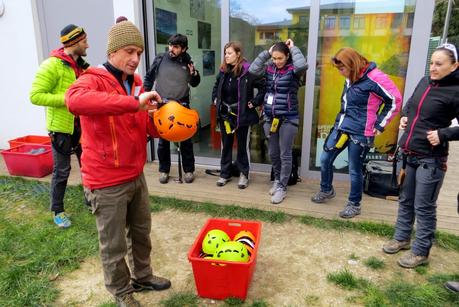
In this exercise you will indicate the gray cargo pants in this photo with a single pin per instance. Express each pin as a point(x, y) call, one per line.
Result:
point(418, 200)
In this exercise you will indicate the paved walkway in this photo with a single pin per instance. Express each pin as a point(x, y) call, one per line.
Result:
point(298, 198)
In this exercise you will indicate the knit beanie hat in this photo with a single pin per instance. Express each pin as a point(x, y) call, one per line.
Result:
point(122, 34)
point(71, 35)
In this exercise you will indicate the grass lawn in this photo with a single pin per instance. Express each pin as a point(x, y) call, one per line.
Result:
point(33, 252)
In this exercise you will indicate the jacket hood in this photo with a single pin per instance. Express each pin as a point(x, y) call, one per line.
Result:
point(451, 79)
point(79, 66)
point(370, 67)
point(102, 72)
point(183, 57)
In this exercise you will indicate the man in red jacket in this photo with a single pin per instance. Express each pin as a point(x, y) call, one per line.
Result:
point(114, 117)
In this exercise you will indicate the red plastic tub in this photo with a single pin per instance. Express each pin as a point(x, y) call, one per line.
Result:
point(32, 160)
point(30, 139)
point(217, 279)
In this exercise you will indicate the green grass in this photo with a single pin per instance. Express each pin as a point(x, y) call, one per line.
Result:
point(347, 280)
point(33, 252)
point(374, 263)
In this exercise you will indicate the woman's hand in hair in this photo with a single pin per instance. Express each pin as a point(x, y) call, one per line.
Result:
point(271, 50)
point(289, 43)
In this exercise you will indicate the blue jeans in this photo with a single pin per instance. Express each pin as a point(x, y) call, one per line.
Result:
point(357, 147)
point(418, 200)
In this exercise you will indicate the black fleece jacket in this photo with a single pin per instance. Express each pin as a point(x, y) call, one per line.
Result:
point(433, 105)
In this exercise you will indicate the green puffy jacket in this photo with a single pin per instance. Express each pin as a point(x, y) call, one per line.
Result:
point(53, 78)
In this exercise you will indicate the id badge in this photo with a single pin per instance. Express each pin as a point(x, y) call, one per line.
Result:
point(274, 125)
point(270, 99)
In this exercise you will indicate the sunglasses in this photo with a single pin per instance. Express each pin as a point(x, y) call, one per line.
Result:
point(449, 47)
point(336, 61)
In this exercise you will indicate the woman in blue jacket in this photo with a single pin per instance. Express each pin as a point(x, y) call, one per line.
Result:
point(426, 121)
point(283, 76)
point(366, 88)
point(233, 94)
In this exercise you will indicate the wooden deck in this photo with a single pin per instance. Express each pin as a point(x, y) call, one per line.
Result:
point(298, 198)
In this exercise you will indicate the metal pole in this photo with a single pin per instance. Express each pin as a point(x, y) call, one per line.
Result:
point(444, 37)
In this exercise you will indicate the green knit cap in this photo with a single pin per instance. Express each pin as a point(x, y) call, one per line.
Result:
point(123, 34)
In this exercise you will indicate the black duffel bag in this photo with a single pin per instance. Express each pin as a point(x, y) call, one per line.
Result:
point(380, 179)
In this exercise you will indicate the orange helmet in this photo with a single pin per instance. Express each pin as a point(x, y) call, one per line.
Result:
point(176, 123)
point(247, 238)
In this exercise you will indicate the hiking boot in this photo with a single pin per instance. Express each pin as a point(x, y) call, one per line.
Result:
point(62, 220)
point(452, 286)
point(279, 194)
point(163, 177)
point(410, 260)
point(350, 210)
point(127, 300)
point(189, 177)
point(321, 197)
point(243, 182)
point(394, 246)
point(222, 181)
point(155, 283)
point(274, 187)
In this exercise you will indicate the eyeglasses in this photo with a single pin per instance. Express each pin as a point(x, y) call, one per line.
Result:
point(336, 61)
point(449, 47)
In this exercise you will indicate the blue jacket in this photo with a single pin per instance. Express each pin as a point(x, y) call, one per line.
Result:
point(361, 101)
point(282, 84)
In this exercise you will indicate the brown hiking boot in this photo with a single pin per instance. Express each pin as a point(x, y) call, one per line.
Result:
point(394, 246)
point(127, 300)
point(410, 260)
point(155, 283)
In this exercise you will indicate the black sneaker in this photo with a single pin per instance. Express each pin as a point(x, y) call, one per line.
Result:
point(155, 283)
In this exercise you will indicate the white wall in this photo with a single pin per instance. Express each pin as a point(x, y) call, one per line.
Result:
point(18, 117)
point(20, 60)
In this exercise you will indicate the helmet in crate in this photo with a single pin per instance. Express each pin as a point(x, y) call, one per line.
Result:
point(232, 251)
point(247, 238)
point(213, 240)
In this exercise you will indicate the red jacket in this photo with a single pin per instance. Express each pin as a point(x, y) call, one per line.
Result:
point(114, 132)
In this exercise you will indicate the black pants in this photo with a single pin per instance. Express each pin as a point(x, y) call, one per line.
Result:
point(243, 153)
point(164, 156)
point(63, 145)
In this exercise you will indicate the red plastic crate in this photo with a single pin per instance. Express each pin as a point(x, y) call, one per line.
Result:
point(30, 139)
point(218, 279)
point(21, 162)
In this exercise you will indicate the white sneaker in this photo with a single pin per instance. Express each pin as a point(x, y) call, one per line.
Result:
point(163, 177)
point(274, 187)
point(278, 195)
point(222, 181)
point(243, 182)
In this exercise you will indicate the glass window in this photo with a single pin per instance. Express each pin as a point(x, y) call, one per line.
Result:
point(410, 20)
point(330, 22)
point(200, 21)
point(359, 22)
point(248, 20)
point(388, 48)
point(380, 22)
point(344, 22)
point(396, 20)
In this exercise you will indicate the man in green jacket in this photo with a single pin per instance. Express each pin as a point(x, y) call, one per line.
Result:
point(53, 78)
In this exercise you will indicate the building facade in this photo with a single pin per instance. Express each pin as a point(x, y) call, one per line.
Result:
point(393, 33)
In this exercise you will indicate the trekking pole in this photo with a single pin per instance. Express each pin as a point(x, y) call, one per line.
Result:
point(179, 154)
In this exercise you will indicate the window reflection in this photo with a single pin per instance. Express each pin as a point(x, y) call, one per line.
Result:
point(380, 30)
point(258, 25)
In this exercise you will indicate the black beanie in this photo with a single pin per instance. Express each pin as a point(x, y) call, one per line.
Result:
point(71, 35)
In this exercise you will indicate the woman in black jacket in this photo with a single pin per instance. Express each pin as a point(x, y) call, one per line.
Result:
point(233, 94)
point(426, 121)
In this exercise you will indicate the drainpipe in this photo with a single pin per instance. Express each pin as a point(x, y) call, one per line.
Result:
point(444, 37)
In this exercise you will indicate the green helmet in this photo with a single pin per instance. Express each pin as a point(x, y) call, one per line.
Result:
point(232, 251)
point(213, 239)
